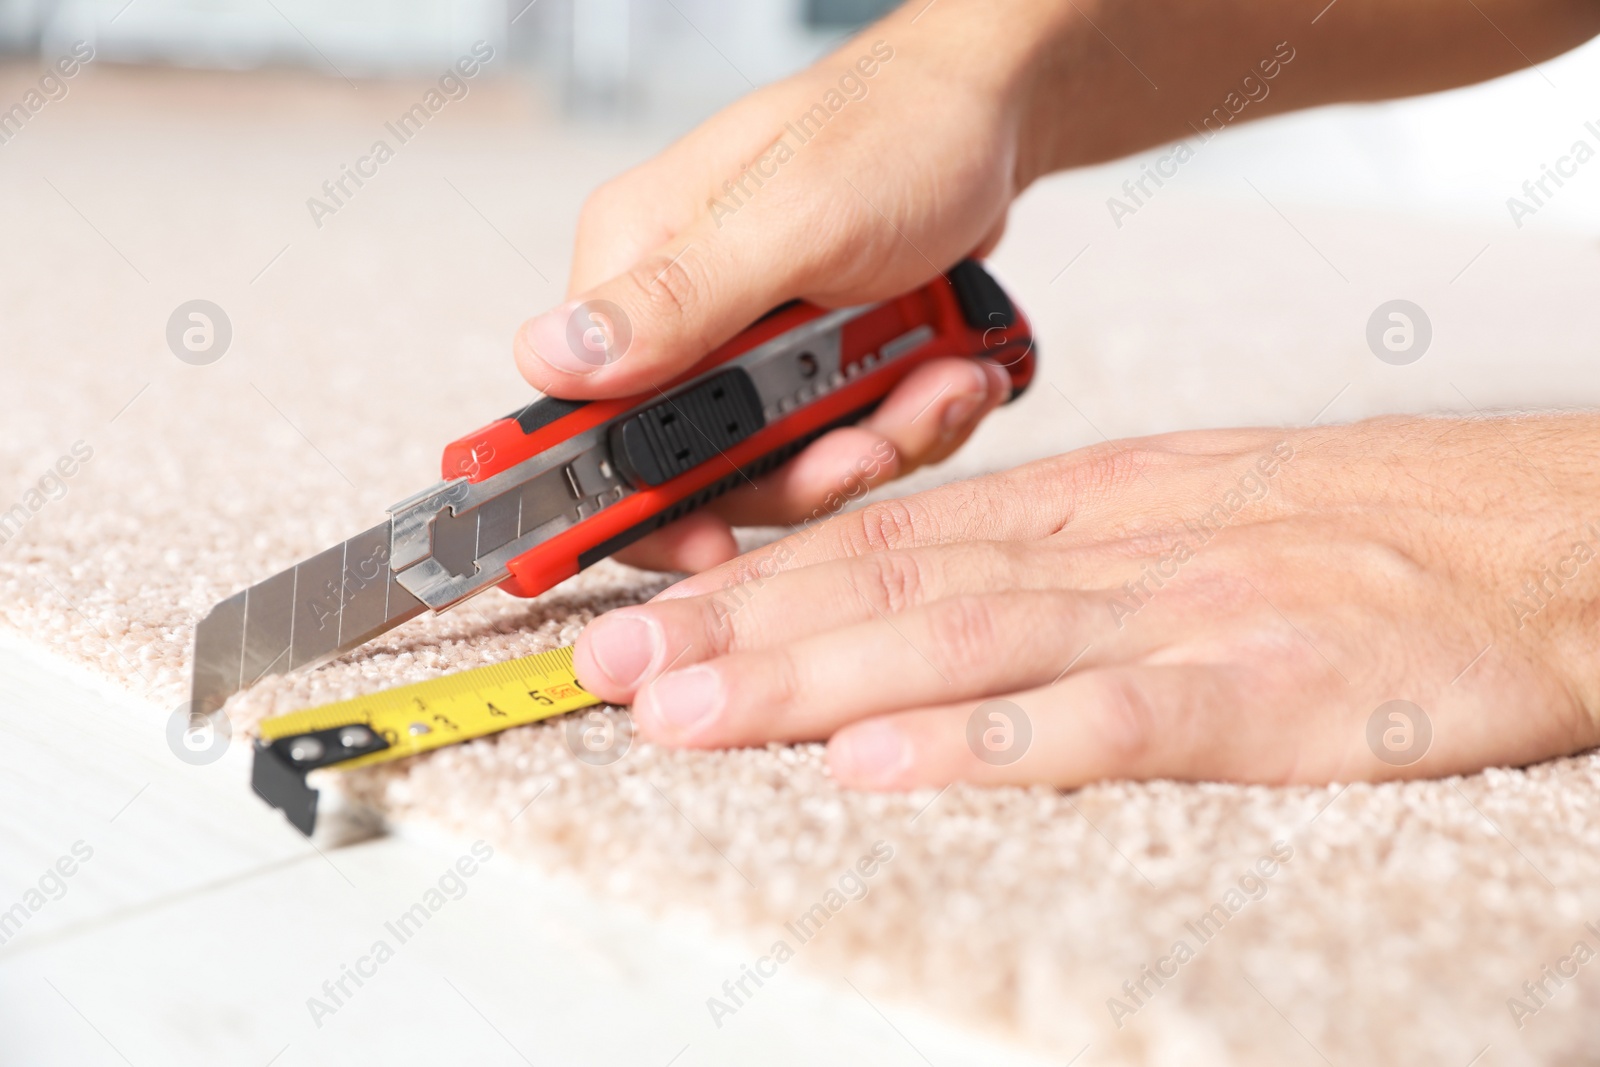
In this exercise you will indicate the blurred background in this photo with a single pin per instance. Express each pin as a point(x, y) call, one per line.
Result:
point(638, 58)
point(669, 63)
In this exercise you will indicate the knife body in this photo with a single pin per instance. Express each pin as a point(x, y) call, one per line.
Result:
point(531, 499)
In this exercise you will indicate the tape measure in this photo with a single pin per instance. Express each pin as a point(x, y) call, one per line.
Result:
point(405, 721)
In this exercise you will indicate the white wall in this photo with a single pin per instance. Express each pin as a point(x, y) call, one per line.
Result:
point(1457, 154)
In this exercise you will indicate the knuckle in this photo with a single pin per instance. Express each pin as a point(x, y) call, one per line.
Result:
point(669, 287)
point(1105, 470)
point(717, 621)
point(890, 524)
point(1120, 716)
point(724, 625)
point(781, 684)
point(1007, 564)
point(1085, 481)
point(963, 630)
point(893, 581)
point(748, 570)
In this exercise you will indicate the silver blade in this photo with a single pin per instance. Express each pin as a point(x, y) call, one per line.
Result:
point(308, 614)
point(455, 540)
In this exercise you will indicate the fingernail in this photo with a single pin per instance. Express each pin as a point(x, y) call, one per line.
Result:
point(685, 701)
point(959, 411)
point(550, 338)
point(624, 646)
point(874, 753)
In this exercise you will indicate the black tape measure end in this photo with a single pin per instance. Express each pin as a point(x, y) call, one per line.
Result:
point(284, 787)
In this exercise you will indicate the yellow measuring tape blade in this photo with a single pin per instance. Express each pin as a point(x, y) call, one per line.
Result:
point(448, 710)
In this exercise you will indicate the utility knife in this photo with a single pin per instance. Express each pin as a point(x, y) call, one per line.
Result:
point(535, 497)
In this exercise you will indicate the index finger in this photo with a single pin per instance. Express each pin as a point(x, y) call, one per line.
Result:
point(998, 507)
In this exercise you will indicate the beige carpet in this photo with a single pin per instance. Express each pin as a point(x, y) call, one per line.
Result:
point(1401, 922)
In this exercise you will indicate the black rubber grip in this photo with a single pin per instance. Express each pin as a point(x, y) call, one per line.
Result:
point(683, 431)
point(751, 471)
point(543, 412)
point(983, 303)
point(780, 309)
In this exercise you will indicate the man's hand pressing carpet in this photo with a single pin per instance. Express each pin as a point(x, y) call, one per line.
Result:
point(1208, 605)
point(1211, 605)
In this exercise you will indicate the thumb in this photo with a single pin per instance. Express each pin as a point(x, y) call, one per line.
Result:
point(657, 318)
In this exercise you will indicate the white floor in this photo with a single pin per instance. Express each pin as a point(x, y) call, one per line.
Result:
point(202, 924)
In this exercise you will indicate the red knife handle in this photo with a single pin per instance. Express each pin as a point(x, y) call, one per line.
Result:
point(966, 314)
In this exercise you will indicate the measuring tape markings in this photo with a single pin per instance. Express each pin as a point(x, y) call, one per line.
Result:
point(447, 710)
